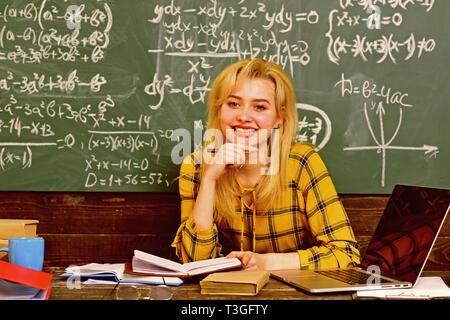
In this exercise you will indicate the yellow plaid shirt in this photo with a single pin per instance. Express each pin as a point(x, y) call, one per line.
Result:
point(309, 219)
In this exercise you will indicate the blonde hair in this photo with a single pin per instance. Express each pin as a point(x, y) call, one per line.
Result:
point(269, 189)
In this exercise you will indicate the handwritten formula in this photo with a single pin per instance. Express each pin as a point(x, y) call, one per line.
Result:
point(97, 94)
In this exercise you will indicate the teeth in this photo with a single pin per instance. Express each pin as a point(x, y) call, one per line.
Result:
point(246, 131)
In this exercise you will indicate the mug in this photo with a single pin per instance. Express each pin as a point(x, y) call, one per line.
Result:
point(26, 252)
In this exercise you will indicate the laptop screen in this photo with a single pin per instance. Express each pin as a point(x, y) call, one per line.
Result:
point(406, 231)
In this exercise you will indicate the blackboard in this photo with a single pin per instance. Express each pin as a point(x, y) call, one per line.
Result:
point(97, 95)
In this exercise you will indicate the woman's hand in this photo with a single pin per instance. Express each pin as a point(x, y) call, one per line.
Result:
point(250, 260)
point(266, 261)
point(229, 155)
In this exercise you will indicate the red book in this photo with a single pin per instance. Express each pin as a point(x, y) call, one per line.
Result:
point(25, 276)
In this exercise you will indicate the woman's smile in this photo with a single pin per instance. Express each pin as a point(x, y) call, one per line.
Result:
point(245, 132)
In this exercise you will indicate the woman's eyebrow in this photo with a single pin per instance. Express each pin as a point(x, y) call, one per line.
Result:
point(234, 97)
point(261, 100)
point(253, 100)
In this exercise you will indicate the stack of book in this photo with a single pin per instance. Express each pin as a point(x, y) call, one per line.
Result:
point(15, 228)
point(18, 282)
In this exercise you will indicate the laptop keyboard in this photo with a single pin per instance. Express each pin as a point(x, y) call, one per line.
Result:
point(350, 276)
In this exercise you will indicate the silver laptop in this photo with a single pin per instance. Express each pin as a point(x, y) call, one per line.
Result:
point(397, 252)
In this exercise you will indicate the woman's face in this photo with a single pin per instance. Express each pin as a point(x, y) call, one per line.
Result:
point(248, 115)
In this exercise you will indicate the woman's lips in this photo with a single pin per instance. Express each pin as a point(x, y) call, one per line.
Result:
point(244, 131)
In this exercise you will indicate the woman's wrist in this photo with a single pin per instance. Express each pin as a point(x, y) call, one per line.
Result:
point(204, 204)
point(278, 261)
point(208, 179)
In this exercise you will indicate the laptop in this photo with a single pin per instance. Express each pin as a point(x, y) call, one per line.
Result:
point(397, 252)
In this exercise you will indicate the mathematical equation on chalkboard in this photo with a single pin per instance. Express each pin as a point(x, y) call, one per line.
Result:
point(41, 39)
point(58, 94)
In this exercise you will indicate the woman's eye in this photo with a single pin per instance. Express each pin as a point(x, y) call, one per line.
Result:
point(260, 107)
point(233, 104)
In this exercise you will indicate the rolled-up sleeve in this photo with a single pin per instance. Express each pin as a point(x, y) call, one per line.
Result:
point(192, 244)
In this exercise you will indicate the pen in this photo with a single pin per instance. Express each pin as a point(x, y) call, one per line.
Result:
point(117, 284)
point(112, 291)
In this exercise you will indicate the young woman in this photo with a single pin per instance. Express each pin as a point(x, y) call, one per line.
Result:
point(251, 192)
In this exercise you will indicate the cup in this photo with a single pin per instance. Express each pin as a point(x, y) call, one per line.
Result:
point(26, 252)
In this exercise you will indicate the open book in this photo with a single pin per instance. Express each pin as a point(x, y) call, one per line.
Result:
point(117, 273)
point(145, 263)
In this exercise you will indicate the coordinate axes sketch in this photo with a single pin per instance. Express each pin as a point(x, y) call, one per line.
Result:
point(382, 143)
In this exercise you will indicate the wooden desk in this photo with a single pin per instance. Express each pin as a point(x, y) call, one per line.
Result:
point(106, 227)
point(274, 290)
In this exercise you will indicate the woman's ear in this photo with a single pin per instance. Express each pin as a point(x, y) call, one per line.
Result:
point(280, 119)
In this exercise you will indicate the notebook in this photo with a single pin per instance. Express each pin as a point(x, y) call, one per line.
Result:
point(20, 283)
point(397, 252)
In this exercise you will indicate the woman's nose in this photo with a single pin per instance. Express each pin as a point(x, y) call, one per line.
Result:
point(244, 113)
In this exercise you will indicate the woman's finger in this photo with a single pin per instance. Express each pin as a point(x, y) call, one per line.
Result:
point(235, 254)
point(244, 256)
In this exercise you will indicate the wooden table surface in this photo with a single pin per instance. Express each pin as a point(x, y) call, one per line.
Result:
point(273, 290)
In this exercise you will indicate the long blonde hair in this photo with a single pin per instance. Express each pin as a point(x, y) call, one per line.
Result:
point(269, 189)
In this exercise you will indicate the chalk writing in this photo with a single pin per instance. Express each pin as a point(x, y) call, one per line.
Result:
point(212, 20)
point(376, 100)
point(38, 83)
point(111, 95)
point(42, 42)
point(387, 47)
point(370, 90)
point(318, 131)
point(401, 4)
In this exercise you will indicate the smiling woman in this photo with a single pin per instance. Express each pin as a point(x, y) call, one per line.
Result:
point(248, 111)
point(282, 210)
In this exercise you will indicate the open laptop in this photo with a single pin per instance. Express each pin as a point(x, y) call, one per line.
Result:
point(397, 252)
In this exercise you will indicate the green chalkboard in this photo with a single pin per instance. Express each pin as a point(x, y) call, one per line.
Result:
point(97, 95)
